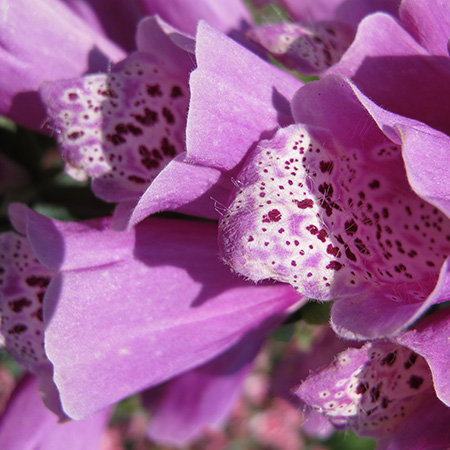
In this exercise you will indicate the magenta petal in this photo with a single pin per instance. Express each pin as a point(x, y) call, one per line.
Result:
point(415, 83)
point(27, 425)
point(185, 15)
point(26, 62)
point(429, 22)
point(219, 135)
point(109, 334)
point(184, 407)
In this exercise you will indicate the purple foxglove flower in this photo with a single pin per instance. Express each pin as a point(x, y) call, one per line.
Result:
point(415, 74)
point(122, 127)
point(44, 40)
point(346, 225)
point(320, 34)
point(395, 391)
point(114, 316)
point(308, 49)
point(27, 425)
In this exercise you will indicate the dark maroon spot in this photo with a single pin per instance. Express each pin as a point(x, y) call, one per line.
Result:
point(148, 119)
point(375, 392)
point(167, 148)
point(18, 305)
point(322, 236)
point(389, 359)
point(135, 131)
point(375, 184)
point(107, 93)
point(73, 96)
point(351, 227)
point(333, 250)
point(154, 90)
point(415, 382)
point(121, 128)
point(400, 268)
point(326, 166)
point(115, 139)
point(176, 92)
point(411, 361)
point(18, 329)
point(312, 229)
point(167, 113)
point(156, 154)
point(385, 402)
point(350, 255)
point(38, 281)
point(250, 239)
point(334, 265)
point(361, 247)
point(137, 179)
point(272, 216)
point(362, 388)
point(430, 263)
point(303, 204)
point(38, 314)
point(75, 135)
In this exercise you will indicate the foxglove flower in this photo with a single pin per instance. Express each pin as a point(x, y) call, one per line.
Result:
point(319, 34)
point(396, 391)
point(120, 128)
point(90, 35)
point(107, 332)
point(336, 204)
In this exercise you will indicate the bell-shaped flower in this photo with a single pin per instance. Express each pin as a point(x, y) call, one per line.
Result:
point(395, 391)
point(122, 127)
point(126, 311)
point(319, 34)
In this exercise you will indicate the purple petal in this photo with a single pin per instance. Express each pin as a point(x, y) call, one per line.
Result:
point(184, 407)
point(225, 98)
point(428, 22)
point(309, 49)
point(224, 16)
point(120, 128)
point(309, 212)
point(415, 83)
point(109, 334)
point(27, 425)
point(372, 390)
point(26, 62)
